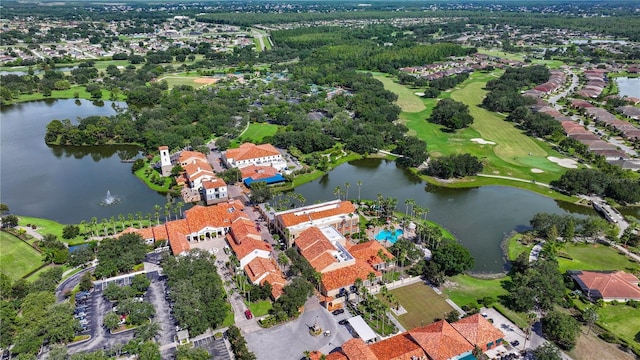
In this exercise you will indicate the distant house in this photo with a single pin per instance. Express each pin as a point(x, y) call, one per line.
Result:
point(607, 285)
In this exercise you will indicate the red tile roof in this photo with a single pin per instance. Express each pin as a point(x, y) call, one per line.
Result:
point(356, 349)
point(220, 215)
point(258, 172)
point(346, 276)
point(399, 347)
point(611, 285)
point(248, 151)
point(336, 356)
point(260, 267)
point(177, 231)
point(245, 246)
point(368, 252)
point(192, 156)
point(214, 183)
point(163, 148)
point(316, 212)
point(316, 248)
point(440, 340)
point(478, 331)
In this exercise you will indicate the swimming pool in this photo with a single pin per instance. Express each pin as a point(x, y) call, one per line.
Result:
point(388, 235)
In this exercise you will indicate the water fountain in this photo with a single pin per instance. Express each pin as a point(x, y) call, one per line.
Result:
point(109, 199)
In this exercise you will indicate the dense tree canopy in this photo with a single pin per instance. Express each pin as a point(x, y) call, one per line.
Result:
point(119, 255)
point(451, 114)
point(446, 167)
point(452, 257)
point(561, 328)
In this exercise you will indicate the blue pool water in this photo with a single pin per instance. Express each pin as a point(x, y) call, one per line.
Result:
point(468, 357)
point(388, 235)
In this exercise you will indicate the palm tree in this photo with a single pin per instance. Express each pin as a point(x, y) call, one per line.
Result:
point(371, 277)
point(121, 219)
point(307, 354)
point(180, 205)
point(337, 191)
point(359, 183)
point(147, 331)
point(346, 187)
point(94, 223)
point(531, 319)
point(358, 284)
point(139, 217)
point(167, 211)
point(104, 226)
point(148, 217)
point(130, 218)
point(283, 260)
point(112, 221)
point(156, 210)
point(590, 316)
point(83, 225)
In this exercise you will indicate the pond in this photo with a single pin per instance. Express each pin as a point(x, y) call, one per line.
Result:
point(63, 183)
point(479, 217)
point(628, 86)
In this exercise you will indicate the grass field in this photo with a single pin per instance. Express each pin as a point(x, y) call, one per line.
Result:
point(423, 305)
point(592, 347)
point(260, 308)
point(468, 290)
point(595, 257)
point(622, 320)
point(17, 258)
point(515, 247)
point(515, 154)
point(45, 226)
point(255, 133)
point(407, 99)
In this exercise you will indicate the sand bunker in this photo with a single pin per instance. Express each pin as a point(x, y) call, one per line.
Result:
point(419, 93)
point(203, 80)
point(536, 171)
point(567, 163)
point(482, 141)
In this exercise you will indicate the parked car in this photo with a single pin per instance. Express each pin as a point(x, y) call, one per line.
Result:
point(248, 314)
point(343, 322)
point(338, 311)
point(515, 343)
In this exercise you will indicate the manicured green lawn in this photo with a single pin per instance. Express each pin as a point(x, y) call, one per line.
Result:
point(622, 320)
point(46, 226)
point(595, 257)
point(515, 247)
point(17, 258)
point(255, 134)
point(179, 80)
point(468, 290)
point(407, 99)
point(423, 305)
point(260, 308)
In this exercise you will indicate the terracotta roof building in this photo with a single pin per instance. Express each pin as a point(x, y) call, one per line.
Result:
point(373, 253)
point(251, 154)
point(199, 223)
point(356, 349)
point(261, 271)
point(607, 285)
point(246, 242)
point(441, 341)
point(478, 331)
point(324, 249)
point(337, 213)
point(399, 347)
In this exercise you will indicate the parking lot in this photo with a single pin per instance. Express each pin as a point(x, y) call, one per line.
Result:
point(216, 347)
point(269, 344)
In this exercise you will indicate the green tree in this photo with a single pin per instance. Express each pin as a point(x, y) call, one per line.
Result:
point(452, 258)
point(590, 316)
point(188, 353)
point(149, 351)
point(85, 282)
point(561, 328)
point(146, 332)
point(547, 351)
point(111, 320)
point(70, 231)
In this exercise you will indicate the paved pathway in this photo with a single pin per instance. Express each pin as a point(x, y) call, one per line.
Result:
point(31, 232)
point(514, 179)
point(535, 252)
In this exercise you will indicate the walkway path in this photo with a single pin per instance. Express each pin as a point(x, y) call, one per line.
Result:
point(514, 179)
point(535, 252)
point(31, 232)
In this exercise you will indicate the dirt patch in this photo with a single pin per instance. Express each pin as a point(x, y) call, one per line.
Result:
point(482, 141)
point(592, 347)
point(206, 81)
point(567, 163)
point(536, 171)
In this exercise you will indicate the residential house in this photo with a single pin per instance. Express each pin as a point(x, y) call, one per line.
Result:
point(246, 242)
point(441, 341)
point(214, 191)
point(607, 285)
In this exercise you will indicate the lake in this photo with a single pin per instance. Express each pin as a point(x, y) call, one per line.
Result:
point(479, 217)
point(67, 184)
point(628, 86)
point(63, 183)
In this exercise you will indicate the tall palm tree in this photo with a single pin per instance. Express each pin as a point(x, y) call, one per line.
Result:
point(148, 217)
point(139, 217)
point(112, 221)
point(346, 187)
point(83, 225)
point(121, 219)
point(167, 211)
point(156, 210)
point(180, 205)
point(359, 183)
point(104, 225)
point(337, 191)
point(130, 218)
point(94, 223)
